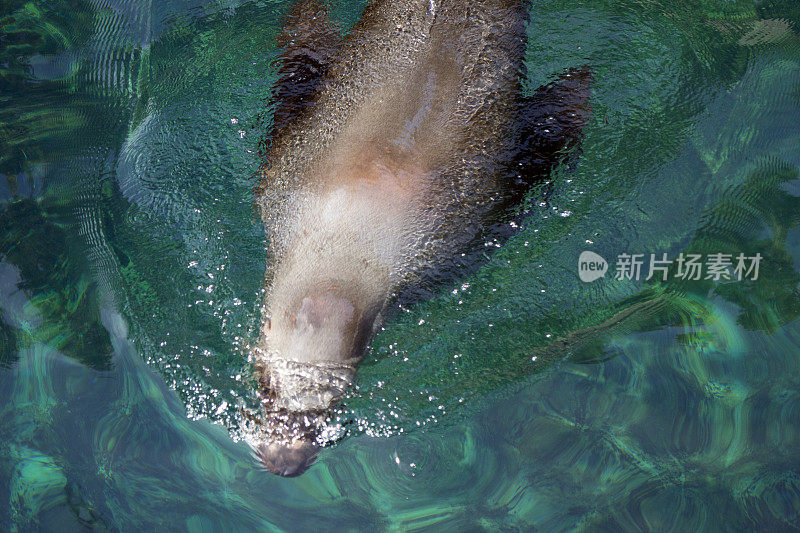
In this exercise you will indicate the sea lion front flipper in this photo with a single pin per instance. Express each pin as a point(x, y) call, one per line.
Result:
point(310, 41)
point(552, 119)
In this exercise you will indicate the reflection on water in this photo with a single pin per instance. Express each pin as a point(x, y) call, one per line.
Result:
point(131, 265)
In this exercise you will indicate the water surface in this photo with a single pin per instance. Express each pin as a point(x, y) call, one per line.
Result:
point(131, 265)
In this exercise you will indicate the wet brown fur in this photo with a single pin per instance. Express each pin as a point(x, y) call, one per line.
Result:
point(394, 150)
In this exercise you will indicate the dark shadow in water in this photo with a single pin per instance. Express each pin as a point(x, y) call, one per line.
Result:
point(56, 280)
point(51, 111)
point(8, 345)
point(41, 115)
point(755, 218)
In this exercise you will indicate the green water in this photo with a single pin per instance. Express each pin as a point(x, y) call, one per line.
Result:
point(131, 264)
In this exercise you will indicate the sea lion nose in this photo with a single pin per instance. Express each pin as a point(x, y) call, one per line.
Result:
point(289, 459)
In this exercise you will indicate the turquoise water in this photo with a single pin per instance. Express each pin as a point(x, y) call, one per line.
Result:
point(131, 264)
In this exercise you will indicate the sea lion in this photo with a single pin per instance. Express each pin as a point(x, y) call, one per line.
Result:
point(395, 149)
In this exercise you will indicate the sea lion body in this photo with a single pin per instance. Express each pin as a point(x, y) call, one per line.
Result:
point(398, 148)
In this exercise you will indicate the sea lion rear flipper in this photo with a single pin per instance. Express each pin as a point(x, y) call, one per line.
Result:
point(310, 40)
point(552, 119)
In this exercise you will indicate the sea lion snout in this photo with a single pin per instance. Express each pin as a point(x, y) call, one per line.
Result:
point(287, 459)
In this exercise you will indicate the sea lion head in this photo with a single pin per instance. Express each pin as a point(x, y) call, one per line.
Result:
point(305, 362)
point(287, 460)
point(287, 447)
point(295, 398)
point(285, 442)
